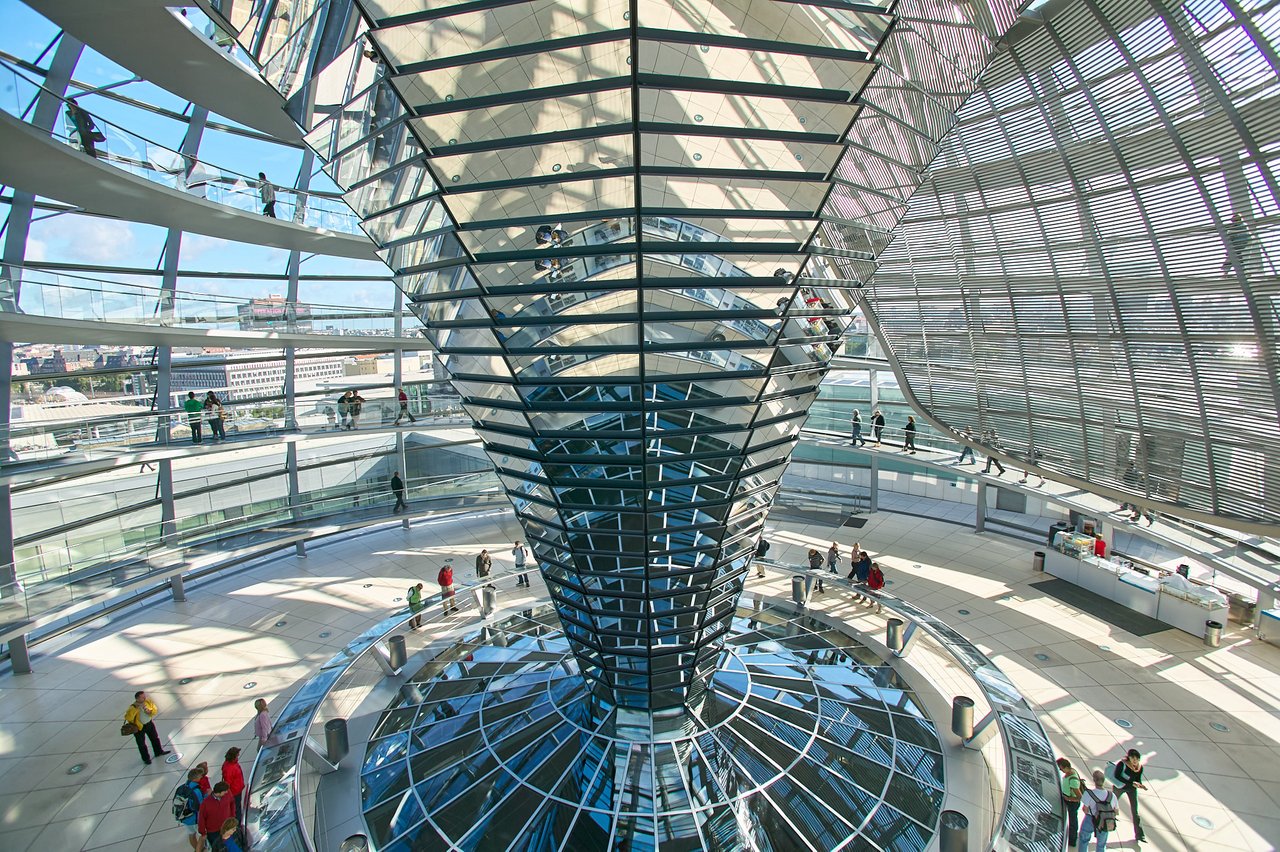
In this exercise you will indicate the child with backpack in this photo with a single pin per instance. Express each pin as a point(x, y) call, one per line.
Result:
point(1099, 806)
point(186, 807)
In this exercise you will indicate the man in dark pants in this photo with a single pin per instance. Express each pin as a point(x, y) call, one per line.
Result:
point(141, 714)
point(397, 488)
point(1129, 774)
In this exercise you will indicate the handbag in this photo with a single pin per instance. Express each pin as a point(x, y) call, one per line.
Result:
point(128, 729)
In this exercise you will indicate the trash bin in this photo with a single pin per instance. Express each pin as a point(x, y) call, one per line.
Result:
point(1037, 561)
point(396, 652)
point(488, 596)
point(336, 744)
point(797, 589)
point(1213, 633)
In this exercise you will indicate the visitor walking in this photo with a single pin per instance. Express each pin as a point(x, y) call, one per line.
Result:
point(397, 488)
point(139, 719)
point(262, 725)
point(267, 193)
point(1099, 807)
point(87, 132)
point(445, 579)
point(230, 836)
point(762, 550)
point(195, 413)
point(1129, 774)
point(833, 558)
point(966, 451)
point(520, 554)
point(990, 439)
point(856, 423)
point(815, 565)
point(909, 436)
point(213, 413)
point(875, 582)
point(877, 426)
point(1072, 788)
point(404, 408)
point(1238, 240)
point(414, 596)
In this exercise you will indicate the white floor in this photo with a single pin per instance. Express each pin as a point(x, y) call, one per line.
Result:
point(1169, 686)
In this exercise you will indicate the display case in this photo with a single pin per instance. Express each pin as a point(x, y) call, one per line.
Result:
point(1189, 607)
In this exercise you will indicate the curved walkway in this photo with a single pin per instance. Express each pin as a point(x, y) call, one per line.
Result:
point(36, 162)
point(272, 624)
point(149, 40)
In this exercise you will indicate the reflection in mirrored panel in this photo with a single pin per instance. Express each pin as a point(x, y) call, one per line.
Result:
point(801, 735)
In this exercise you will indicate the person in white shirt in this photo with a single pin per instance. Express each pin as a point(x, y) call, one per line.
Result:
point(1099, 807)
point(520, 554)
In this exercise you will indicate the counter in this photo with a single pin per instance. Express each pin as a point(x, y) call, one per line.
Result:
point(1269, 626)
point(1179, 604)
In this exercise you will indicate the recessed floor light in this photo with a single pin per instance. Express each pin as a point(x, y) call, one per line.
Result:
point(325, 635)
point(250, 685)
point(1104, 647)
point(186, 680)
point(397, 600)
point(1124, 723)
point(1203, 822)
point(1042, 657)
point(964, 612)
point(1218, 726)
point(281, 623)
point(368, 585)
point(76, 770)
point(173, 758)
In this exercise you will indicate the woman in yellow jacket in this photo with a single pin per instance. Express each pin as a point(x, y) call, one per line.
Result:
point(140, 714)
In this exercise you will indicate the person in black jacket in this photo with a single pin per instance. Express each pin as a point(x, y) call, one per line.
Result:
point(397, 488)
point(909, 436)
point(1129, 774)
point(877, 425)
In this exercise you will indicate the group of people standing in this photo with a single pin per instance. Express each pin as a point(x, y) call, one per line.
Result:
point(865, 573)
point(484, 574)
point(350, 404)
point(212, 814)
point(1093, 811)
point(201, 411)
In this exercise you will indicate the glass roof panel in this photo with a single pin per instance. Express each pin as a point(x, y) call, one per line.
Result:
point(541, 160)
point(718, 109)
point(525, 25)
point(761, 196)
point(713, 62)
point(792, 23)
point(525, 73)
point(709, 152)
point(548, 202)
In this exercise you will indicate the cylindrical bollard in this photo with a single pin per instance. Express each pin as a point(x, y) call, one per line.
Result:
point(336, 744)
point(1037, 561)
point(893, 634)
point(797, 589)
point(962, 717)
point(488, 600)
point(396, 651)
point(1213, 633)
point(953, 832)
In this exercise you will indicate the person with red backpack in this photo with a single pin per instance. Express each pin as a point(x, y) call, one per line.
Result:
point(875, 582)
point(445, 579)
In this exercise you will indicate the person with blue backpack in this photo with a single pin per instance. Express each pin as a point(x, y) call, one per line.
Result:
point(186, 808)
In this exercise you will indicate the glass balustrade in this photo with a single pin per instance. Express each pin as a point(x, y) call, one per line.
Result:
point(40, 292)
point(159, 164)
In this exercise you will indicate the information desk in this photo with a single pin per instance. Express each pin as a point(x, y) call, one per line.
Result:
point(1186, 607)
point(1269, 626)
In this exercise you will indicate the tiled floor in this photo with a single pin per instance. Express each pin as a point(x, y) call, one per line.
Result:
point(1168, 686)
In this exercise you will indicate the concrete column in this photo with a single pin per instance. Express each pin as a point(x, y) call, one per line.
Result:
point(873, 491)
point(397, 329)
point(980, 510)
point(176, 588)
point(19, 657)
point(295, 494)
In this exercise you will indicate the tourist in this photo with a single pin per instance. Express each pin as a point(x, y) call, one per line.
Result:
point(1072, 788)
point(195, 413)
point(484, 565)
point(1099, 806)
point(1129, 774)
point(815, 564)
point(416, 605)
point(397, 488)
point(267, 193)
point(875, 582)
point(833, 558)
point(233, 777)
point(140, 718)
point(909, 436)
point(215, 810)
point(403, 399)
point(186, 808)
point(856, 423)
point(213, 413)
point(262, 724)
point(521, 555)
point(445, 579)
